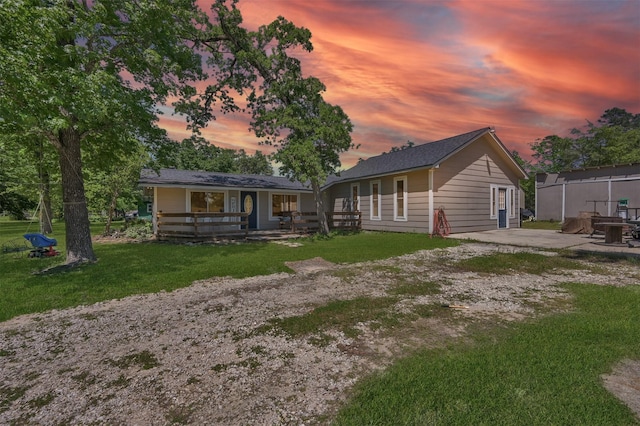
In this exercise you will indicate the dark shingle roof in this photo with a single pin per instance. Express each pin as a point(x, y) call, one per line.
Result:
point(174, 177)
point(419, 156)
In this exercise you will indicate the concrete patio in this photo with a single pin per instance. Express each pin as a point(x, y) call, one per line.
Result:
point(553, 240)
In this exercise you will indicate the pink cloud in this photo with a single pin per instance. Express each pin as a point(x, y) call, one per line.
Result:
point(424, 70)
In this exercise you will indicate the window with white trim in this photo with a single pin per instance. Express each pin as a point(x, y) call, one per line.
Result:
point(281, 203)
point(512, 202)
point(376, 200)
point(207, 202)
point(493, 202)
point(400, 198)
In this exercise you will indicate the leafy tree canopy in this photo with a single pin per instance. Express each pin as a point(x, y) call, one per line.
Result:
point(88, 77)
point(196, 153)
point(288, 109)
point(614, 139)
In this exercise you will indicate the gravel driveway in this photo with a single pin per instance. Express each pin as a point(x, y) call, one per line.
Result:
point(201, 355)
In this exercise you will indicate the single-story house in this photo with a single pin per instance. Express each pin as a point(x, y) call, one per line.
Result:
point(608, 191)
point(472, 177)
point(263, 198)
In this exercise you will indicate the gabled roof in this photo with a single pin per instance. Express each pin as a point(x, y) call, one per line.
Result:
point(423, 156)
point(417, 157)
point(182, 178)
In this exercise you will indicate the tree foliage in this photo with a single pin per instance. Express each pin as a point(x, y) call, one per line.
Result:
point(614, 139)
point(407, 145)
point(288, 110)
point(196, 153)
point(88, 77)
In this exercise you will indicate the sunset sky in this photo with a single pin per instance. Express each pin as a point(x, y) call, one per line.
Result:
point(423, 70)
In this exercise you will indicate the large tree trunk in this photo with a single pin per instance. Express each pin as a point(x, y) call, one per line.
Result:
point(76, 213)
point(323, 225)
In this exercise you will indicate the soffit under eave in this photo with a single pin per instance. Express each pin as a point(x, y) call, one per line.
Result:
point(225, 188)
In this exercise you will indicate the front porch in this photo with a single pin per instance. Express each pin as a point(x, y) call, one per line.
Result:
point(225, 226)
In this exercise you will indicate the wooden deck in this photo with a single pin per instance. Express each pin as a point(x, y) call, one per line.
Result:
point(234, 226)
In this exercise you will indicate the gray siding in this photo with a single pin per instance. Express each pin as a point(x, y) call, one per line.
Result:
point(549, 203)
point(588, 190)
point(263, 212)
point(462, 186)
point(417, 203)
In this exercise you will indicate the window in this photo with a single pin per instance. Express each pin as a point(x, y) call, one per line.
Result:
point(493, 206)
point(207, 202)
point(512, 202)
point(400, 198)
point(355, 197)
point(375, 200)
point(283, 203)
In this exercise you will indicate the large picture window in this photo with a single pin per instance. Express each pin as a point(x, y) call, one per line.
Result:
point(207, 202)
point(400, 198)
point(376, 199)
point(281, 203)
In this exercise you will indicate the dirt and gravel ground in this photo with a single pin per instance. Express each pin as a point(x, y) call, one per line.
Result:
point(201, 355)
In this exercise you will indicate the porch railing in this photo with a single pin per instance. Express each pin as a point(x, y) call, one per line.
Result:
point(209, 226)
point(201, 225)
point(308, 221)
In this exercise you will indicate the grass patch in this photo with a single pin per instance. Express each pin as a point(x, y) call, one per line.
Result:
point(538, 373)
point(551, 225)
point(342, 315)
point(127, 269)
point(42, 401)
point(9, 394)
point(145, 360)
point(346, 315)
point(508, 263)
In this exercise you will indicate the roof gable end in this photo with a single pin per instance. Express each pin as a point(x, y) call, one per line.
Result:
point(419, 156)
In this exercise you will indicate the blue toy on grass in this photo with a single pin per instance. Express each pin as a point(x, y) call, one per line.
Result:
point(42, 245)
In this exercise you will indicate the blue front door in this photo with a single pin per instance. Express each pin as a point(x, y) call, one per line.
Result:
point(502, 208)
point(249, 204)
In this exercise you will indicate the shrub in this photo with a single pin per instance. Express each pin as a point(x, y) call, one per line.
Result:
point(138, 229)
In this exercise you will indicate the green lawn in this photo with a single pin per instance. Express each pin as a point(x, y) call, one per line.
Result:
point(545, 372)
point(543, 224)
point(540, 372)
point(133, 268)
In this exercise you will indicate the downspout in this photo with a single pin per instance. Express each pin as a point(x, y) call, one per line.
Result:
point(609, 198)
point(535, 201)
point(564, 194)
point(431, 209)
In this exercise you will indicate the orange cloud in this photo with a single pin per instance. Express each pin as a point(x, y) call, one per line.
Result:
point(421, 70)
